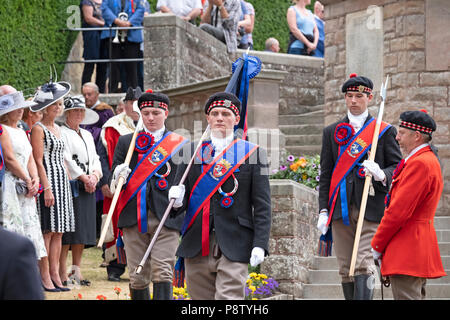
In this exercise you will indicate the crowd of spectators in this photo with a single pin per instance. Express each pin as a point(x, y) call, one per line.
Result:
point(230, 21)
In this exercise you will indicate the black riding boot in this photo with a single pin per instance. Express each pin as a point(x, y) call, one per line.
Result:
point(349, 289)
point(364, 285)
point(140, 294)
point(162, 291)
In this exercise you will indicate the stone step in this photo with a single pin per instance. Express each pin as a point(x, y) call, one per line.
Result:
point(443, 235)
point(291, 129)
point(315, 117)
point(333, 277)
point(303, 140)
point(330, 263)
point(303, 150)
point(442, 223)
point(334, 291)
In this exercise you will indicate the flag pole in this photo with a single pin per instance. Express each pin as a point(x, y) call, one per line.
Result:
point(120, 183)
point(368, 179)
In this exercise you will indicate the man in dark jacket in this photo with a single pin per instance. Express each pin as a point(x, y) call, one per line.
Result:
point(343, 164)
point(19, 272)
point(228, 210)
point(144, 199)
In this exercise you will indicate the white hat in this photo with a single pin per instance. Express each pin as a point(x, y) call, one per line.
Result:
point(13, 101)
point(77, 102)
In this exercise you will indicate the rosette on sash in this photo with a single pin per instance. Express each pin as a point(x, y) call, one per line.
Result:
point(343, 133)
point(144, 141)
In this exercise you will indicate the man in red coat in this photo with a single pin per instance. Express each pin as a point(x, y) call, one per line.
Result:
point(406, 239)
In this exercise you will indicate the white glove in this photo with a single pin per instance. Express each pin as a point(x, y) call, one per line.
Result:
point(374, 169)
point(257, 256)
point(122, 170)
point(177, 193)
point(322, 222)
point(376, 254)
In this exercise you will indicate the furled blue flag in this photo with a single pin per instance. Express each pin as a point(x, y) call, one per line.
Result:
point(243, 69)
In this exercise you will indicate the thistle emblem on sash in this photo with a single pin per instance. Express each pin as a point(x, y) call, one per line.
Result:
point(220, 169)
point(356, 148)
point(159, 154)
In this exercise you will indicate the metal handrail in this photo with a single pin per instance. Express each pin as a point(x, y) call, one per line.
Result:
point(109, 61)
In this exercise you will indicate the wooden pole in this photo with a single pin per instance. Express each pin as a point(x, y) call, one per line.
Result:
point(119, 186)
point(169, 207)
point(367, 181)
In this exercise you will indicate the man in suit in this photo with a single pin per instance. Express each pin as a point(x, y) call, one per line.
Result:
point(144, 199)
point(19, 272)
point(406, 240)
point(226, 196)
point(345, 146)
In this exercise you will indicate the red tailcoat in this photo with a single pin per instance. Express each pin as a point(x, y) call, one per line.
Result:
point(406, 234)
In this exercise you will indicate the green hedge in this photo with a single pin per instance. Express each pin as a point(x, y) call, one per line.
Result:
point(33, 36)
point(32, 40)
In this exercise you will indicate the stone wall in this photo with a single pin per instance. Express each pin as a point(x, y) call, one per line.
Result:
point(294, 236)
point(178, 53)
point(412, 56)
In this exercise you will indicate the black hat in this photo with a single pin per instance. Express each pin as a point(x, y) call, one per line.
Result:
point(418, 121)
point(133, 94)
point(223, 100)
point(153, 99)
point(358, 84)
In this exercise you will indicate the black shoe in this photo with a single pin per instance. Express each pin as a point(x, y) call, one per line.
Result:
point(63, 289)
point(364, 284)
point(348, 288)
point(113, 277)
point(140, 294)
point(162, 291)
point(56, 289)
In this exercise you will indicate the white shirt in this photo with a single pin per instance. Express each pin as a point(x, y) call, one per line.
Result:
point(180, 8)
point(220, 144)
point(357, 121)
point(158, 134)
point(415, 150)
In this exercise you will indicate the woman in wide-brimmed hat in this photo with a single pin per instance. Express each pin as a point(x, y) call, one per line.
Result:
point(21, 182)
point(85, 170)
point(55, 204)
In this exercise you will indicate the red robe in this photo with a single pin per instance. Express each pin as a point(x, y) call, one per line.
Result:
point(111, 131)
point(406, 234)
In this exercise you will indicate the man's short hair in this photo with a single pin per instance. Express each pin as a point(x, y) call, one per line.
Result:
point(91, 85)
point(270, 42)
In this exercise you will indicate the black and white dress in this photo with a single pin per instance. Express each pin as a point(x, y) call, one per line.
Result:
point(59, 217)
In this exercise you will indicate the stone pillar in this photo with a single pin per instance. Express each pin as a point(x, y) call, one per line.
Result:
point(294, 237)
point(187, 110)
point(178, 53)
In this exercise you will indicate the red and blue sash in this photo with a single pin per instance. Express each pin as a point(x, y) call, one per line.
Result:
point(212, 177)
point(148, 164)
point(349, 156)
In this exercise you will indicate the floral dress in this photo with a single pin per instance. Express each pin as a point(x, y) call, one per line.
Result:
point(17, 212)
